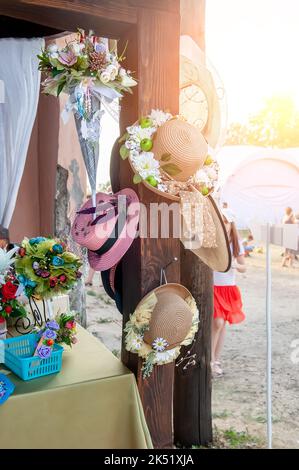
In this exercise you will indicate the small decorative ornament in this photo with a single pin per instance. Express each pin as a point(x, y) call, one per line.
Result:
point(6, 388)
point(62, 330)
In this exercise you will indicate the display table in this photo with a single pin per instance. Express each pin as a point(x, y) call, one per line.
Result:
point(93, 403)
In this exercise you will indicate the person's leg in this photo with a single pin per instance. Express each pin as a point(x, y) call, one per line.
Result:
point(220, 343)
point(217, 325)
point(90, 277)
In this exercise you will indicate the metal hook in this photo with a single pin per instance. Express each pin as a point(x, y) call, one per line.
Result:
point(163, 269)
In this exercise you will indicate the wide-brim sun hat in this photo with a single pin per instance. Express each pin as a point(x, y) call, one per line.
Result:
point(120, 241)
point(218, 258)
point(163, 321)
point(184, 145)
point(170, 157)
point(107, 230)
point(85, 231)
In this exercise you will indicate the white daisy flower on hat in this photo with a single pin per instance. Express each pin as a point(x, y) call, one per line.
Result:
point(159, 344)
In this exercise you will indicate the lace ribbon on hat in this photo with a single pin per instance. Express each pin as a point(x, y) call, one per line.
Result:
point(198, 227)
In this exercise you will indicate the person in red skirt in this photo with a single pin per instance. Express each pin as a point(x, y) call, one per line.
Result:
point(227, 296)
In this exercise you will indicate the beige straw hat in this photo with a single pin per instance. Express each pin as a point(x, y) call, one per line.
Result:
point(219, 258)
point(163, 321)
point(185, 145)
point(171, 318)
point(174, 161)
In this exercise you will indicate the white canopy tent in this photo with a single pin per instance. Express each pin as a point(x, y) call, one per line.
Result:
point(258, 183)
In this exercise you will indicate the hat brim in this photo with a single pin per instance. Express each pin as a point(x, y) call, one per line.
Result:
point(171, 288)
point(125, 239)
point(218, 258)
point(112, 283)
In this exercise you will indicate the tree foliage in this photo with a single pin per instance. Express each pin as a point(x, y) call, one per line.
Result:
point(275, 125)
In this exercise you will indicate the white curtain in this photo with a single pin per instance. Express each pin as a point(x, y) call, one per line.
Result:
point(21, 79)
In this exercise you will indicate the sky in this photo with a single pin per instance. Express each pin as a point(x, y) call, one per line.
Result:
point(253, 44)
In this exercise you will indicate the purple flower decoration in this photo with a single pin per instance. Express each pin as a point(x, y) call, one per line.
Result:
point(67, 58)
point(52, 324)
point(44, 351)
point(49, 334)
point(45, 274)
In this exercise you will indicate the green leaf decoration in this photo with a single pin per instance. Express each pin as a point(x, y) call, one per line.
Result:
point(56, 71)
point(60, 88)
point(137, 179)
point(166, 157)
point(123, 138)
point(171, 169)
point(124, 152)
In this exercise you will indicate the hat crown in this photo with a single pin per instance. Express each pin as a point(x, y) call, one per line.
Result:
point(184, 144)
point(171, 320)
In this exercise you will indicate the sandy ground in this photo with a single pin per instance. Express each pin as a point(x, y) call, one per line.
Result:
point(239, 397)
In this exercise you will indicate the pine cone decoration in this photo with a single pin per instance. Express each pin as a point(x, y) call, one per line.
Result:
point(97, 61)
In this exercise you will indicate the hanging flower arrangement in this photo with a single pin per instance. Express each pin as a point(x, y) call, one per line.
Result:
point(83, 60)
point(45, 267)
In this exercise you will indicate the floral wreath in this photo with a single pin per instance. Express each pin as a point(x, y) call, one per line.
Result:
point(137, 144)
point(45, 267)
point(156, 353)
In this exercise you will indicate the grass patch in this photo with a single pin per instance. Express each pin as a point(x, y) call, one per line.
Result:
point(91, 293)
point(104, 298)
point(116, 353)
point(222, 415)
point(232, 439)
point(104, 320)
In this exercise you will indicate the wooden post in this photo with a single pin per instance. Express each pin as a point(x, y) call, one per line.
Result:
point(192, 393)
point(153, 53)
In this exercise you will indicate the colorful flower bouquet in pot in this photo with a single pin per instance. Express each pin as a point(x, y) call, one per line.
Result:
point(45, 267)
point(11, 299)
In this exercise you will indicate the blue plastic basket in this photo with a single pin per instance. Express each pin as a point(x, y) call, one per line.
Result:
point(18, 357)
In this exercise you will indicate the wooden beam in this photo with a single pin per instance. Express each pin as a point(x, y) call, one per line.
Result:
point(153, 52)
point(109, 22)
point(192, 391)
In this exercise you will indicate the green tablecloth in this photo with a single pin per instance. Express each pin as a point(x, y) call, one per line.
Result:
point(93, 403)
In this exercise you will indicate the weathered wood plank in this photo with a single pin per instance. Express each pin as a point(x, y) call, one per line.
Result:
point(153, 53)
point(105, 22)
point(192, 393)
point(158, 412)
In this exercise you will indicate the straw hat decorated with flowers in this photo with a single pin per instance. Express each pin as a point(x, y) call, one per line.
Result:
point(170, 157)
point(164, 320)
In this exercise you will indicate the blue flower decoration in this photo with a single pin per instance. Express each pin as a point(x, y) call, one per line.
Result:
point(52, 324)
point(36, 240)
point(44, 351)
point(57, 261)
point(57, 248)
point(26, 281)
point(49, 334)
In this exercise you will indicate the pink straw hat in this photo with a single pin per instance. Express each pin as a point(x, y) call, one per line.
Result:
point(109, 236)
point(85, 232)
